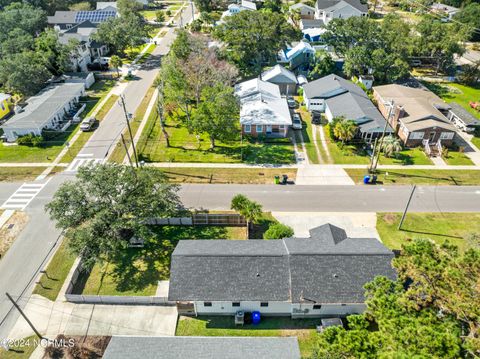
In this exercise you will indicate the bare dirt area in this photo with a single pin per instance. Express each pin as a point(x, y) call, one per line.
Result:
point(10, 231)
point(71, 347)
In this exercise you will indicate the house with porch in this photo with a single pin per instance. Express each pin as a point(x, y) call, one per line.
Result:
point(285, 79)
point(263, 110)
point(50, 109)
point(319, 276)
point(327, 10)
point(417, 115)
point(333, 96)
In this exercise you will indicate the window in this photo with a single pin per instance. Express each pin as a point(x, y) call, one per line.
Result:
point(247, 128)
point(416, 136)
point(446, 135)
point(235, 304)
point(264, 304)
point(317, 306)
point(207, 304)
point(3, 107)
point(259, 128)
point(281, 127)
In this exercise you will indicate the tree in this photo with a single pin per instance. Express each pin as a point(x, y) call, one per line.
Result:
point(55, 56)
point(122, 32)
point(22, 16)
point(470, 74)
point(391, 146)
point(160, 16)
point(81, 6)
point(218, 114)
point(128, 7)
point(470, 16)
point(108, 204)
point(278, 231)
point(345, 130)
point(253, 38)
point(250, 210)
point(116, 62)
point(160, 84)
point(323, 65)
point(295, 16)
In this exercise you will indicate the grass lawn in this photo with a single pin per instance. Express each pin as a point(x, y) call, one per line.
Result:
point(413, 156)
point(119, 152)
point(149, 14)
point(136, 271)
point(185, 147)
point(20, 349)
point(476, 141)
point(424, 177)
point(57, 270)
point(456, 158)
point(132, 52)
point(453, 92)
point(12, 174)
point(440, 227)
point(227, 175)
point(307, 135)
point(224, 326)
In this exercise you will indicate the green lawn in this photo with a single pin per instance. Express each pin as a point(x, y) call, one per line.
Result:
point(440, 227)
point(424, 177)
point(224, 326)
point(149, 14)
point(147, 53)
point(136, 271)
point(51, 282)
point(307, 135)
point(454, 92)
point(132, 52)
point(12, 174)
point(20, 349)
point(185, 147)
point(456, 158)
point(476, 142)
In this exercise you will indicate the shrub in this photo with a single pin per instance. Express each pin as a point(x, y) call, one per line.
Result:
point(30, 140)
point(278, 231)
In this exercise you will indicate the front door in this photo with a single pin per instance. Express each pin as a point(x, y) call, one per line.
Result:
point(431, 137)
point(269, 129)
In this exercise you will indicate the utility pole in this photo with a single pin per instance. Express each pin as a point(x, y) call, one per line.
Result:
point(126, 150)
point(24, 316)
point(376, 157)
point(193, 11)
point(122, 100)
point(181, 17)
point(406, 208)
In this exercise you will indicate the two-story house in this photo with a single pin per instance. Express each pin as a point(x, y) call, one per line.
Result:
point(327, 10)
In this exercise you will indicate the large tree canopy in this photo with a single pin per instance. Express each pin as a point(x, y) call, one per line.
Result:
point(108, 204)
point(431, 311)
point(253, 38)
point(470, 15)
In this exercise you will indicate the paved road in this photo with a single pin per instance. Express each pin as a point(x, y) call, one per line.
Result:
point(27, 256)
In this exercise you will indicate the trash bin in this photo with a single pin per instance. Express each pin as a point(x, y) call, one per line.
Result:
point(374, 179)
point(284, 179)
point(277, 179)
point(255, 317)
point(366, 179)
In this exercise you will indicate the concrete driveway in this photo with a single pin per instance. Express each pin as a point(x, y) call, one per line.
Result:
point(323, 175)
point(53, 318)
point(357, 225)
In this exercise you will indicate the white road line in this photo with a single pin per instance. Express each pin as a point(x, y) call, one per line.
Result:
point(79, 162)
point(23, 196)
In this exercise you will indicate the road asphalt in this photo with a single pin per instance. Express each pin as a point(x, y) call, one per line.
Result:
point(20, 267)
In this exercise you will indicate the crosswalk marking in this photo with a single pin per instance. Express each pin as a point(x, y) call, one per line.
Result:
point(79, 162)
point(23, 196)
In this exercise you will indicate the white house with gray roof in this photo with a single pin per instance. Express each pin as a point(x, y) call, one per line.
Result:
point(334, 96)
point(263, 110)
point(318, 276)
point(143, 347)
point(327, 10)
point(49, 109)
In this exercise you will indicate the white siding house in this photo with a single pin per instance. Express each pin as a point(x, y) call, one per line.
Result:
point(327, 10)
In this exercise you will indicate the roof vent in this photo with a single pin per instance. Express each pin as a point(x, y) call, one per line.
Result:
point(335, 275)
point(257, 275)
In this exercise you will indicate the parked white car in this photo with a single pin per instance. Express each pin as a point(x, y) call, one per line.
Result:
point(296, 122)
point(87, 124)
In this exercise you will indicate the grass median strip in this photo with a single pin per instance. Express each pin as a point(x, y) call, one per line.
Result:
point(423, 177)
point(439, 227)
point(12, 174)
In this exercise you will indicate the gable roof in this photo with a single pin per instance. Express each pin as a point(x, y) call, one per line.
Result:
point(62, 17)
point(249, 5)
point(466, 117)
point(312, 24)
point(298, 49)
point(300, 6)
point(328, 4)
point(328, 267)
point(421, 107)
point(279, 75)
point(262, 104)
point(85, 28)
point(139, 347)
point(106, 4)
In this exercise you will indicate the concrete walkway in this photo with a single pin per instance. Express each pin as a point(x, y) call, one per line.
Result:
point(323, 175)
point(53, 318)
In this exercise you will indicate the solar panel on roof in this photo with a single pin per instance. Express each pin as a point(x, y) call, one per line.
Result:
point(94, 16)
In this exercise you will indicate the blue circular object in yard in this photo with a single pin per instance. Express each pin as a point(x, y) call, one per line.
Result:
point(366, 179)
point(255, 317)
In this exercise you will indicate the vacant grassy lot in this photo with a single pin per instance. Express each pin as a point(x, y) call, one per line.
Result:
point(136, 271)
point(186, 147)
point(227, 175)
point(224, 326)
point(425, 177)
point(12, 174)
point(440, 227)
point(55, 274)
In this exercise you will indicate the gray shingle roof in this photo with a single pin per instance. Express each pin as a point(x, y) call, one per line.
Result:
point(311, 23)
point(62, 17)
point(279, 75)
point(466, 116)
point(326, 4)
point(281, 270)
point(124, 347)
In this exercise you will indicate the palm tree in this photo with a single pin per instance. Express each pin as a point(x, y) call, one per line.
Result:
point(116, 62)
point(391, 146)
point(345, 130)
point(250, 210)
